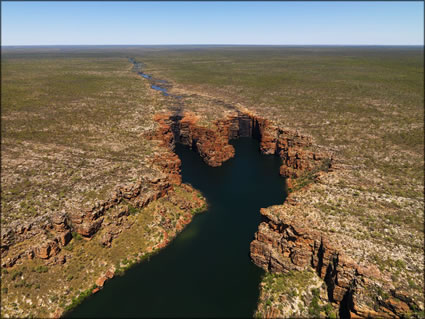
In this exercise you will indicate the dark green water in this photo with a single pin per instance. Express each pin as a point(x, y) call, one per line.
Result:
point(206, 271)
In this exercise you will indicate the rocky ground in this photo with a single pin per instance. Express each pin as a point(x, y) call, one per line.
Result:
point(83, 181)
point(299, 294)
point(363, 107)
point(86, 156)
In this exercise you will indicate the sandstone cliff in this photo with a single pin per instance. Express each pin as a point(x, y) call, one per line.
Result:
point(285, 243)
point(212, 143)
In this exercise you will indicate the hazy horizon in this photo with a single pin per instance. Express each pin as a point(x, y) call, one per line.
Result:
point(212, 23)
point(211, 45)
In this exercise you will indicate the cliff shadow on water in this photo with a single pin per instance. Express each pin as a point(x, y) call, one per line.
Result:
point(206, 270)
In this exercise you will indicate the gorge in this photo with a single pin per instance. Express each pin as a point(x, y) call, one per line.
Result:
point(208, 269)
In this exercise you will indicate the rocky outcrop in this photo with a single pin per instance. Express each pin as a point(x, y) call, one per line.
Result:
point(44, 236)
point(289, 145)
point(47, 249)
point(88, 222)
point(102, 279)
point(212, 142)
point(281, 244)
point(284, 243)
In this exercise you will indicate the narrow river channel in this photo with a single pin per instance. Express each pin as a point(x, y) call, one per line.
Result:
point(206, 270)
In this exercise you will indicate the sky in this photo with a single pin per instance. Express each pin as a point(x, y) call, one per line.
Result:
point(205, 22)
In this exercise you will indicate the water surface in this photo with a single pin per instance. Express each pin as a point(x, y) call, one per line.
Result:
point(159, 88)
point(146, 76)
point(206, 271)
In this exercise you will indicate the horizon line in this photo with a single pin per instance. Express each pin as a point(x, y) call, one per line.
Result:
point(203, 44)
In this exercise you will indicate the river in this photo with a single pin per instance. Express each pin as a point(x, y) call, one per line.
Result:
point(206, 270)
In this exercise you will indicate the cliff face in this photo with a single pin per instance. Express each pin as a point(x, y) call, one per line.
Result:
point(212, 143)
point(45, 236)
point(289, 145)
point(284, 243)
point(135, 220)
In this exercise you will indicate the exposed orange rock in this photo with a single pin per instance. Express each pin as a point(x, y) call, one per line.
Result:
point(101, 281)
point(88, 228)
point(86, 222)
point(58, 313)
point(272, 313)
point(283, 243)
point(47, 249)
point(95, 290)
point(289, 145)
point(212, 143)
point(65, 237)
point(170, 164)
point(110, 274)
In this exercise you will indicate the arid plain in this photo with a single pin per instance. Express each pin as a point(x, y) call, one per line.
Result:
point(90, 183)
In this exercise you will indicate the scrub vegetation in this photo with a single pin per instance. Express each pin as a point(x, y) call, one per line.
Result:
point(73, 129)
point(41, 287)
point(364, 104)
point(297, 293)
point(74, 122)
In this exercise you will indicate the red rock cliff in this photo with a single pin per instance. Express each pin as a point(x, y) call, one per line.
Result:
point(284, 243)
point(212, 143)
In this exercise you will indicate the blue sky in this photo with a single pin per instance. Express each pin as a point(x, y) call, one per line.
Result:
point(62, 23)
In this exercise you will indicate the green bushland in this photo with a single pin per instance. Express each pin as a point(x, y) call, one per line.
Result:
point(72, 121)
point(364, 103)
point(75, 120)
point(367, 101)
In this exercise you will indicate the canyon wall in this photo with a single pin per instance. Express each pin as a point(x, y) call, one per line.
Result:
point(212, 143)
point(45, 236)
point(284, 243)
